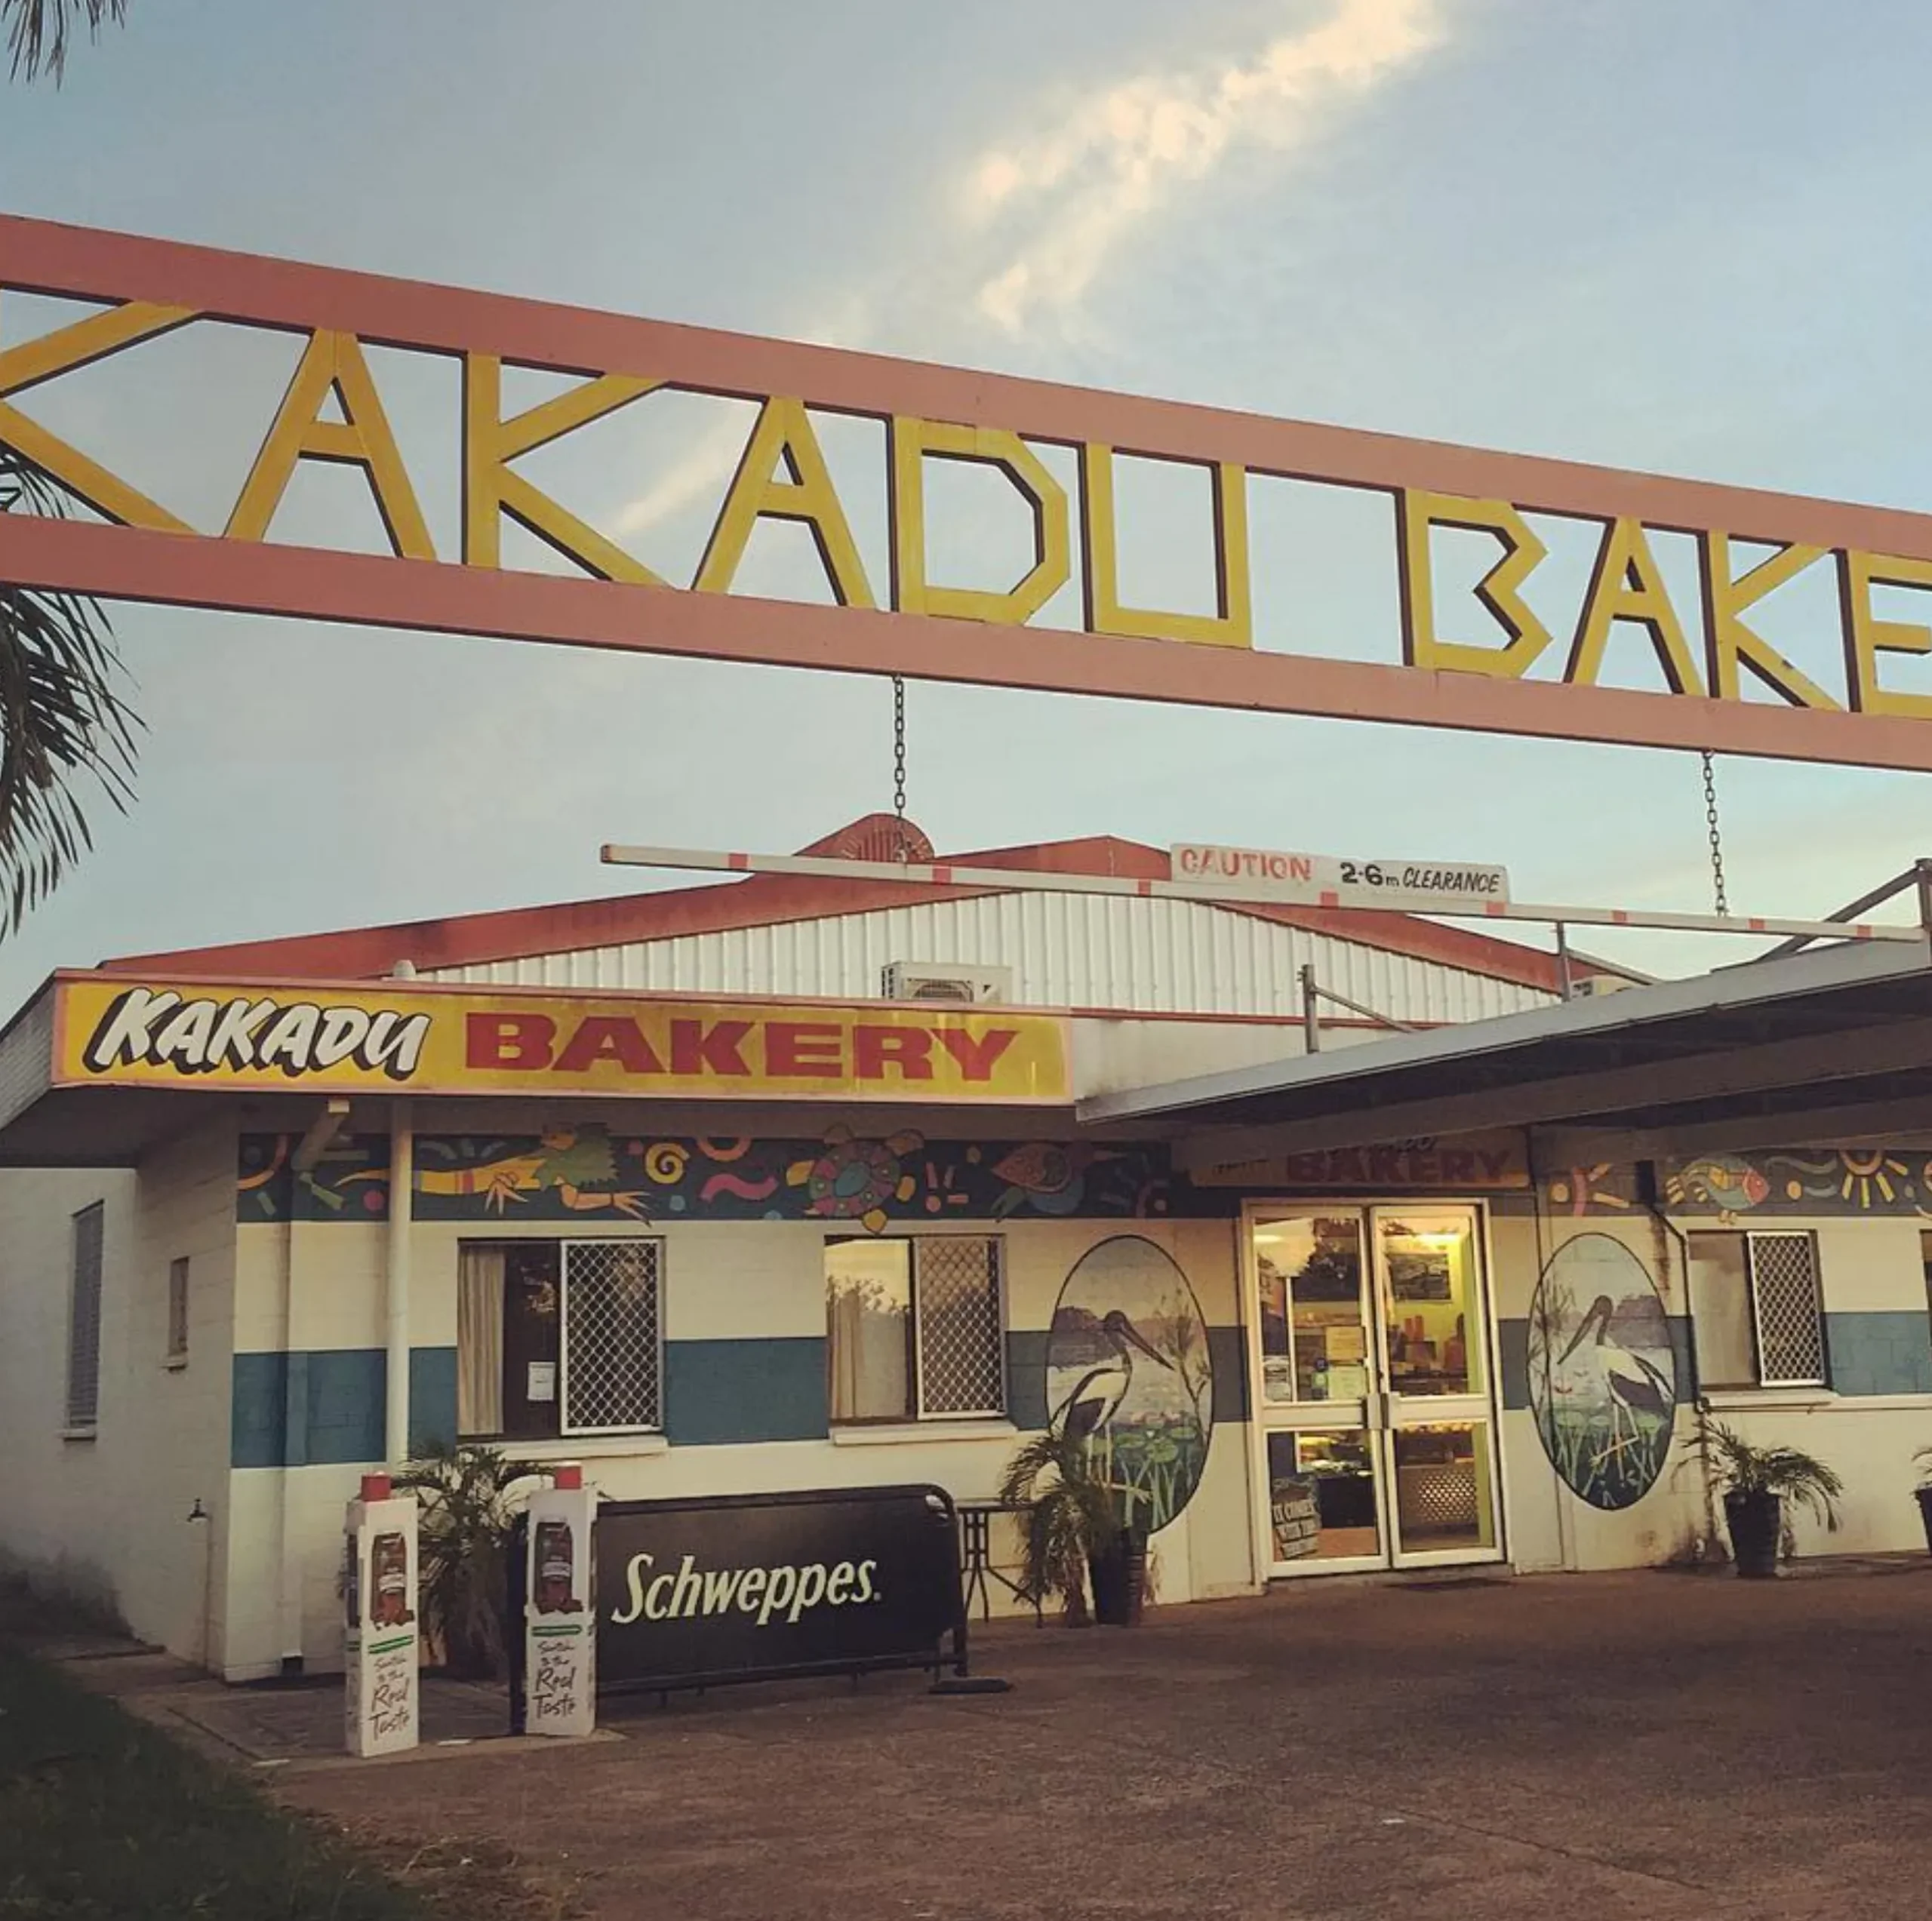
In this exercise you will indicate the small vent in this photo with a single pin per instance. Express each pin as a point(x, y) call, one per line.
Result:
point(959, 986)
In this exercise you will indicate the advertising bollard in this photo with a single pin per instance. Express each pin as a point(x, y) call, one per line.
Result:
point(560, 1618)
point(381, 1629)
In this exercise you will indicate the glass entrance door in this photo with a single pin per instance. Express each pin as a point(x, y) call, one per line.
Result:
point(1374, 1423)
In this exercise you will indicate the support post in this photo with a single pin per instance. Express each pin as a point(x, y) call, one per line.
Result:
point(402, 1166)
point(1311, 1010)
point(1565, 986)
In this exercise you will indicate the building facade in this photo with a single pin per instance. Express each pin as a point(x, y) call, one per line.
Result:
point(697, 1206)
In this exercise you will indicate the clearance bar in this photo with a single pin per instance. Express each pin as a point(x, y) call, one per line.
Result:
point(939, 874)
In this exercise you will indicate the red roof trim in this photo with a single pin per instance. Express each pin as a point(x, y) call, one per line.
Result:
point(767, 899)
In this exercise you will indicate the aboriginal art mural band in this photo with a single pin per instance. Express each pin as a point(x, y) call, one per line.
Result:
point(1769, 1181)
point(1602, 1371)
point(1129, 1374)
point(581, 1171)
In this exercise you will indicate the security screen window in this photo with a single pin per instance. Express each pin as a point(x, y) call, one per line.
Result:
point(1756, 1310)
point(557, 1337)
point(915, 1327)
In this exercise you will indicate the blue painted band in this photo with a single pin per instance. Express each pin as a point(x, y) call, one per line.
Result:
point(1885, 1352)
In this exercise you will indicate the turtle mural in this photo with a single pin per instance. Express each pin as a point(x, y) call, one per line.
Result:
point(858, 1180)
point(1602, 1371)
point(1129, 1373)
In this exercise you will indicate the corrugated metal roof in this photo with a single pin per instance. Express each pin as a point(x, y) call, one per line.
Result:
point(1064, 951)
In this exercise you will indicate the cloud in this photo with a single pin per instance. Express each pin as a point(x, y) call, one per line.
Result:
point(1030, 223)
point(1064, 199)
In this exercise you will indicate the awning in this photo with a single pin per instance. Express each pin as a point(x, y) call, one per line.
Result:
point(1831, 1047)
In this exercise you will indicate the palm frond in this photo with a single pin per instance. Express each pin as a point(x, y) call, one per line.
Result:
point(1788, 1472)
point(39, 32)
point(64, 727)
point(1066, 1516)
point(469, 1509)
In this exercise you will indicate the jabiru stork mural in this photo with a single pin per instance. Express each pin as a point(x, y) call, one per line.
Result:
point(1130, 1376)
point(1602, 1371)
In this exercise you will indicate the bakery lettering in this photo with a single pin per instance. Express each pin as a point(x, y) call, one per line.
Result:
point(733, 1049)
point(159, 1028)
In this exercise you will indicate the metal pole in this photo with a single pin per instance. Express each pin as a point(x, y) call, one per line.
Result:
point(1006, 879)
point(1311, 1009)
point(1565, 987)
point(402, 1159)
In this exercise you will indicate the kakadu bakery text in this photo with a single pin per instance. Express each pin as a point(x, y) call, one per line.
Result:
point(1350, 1217)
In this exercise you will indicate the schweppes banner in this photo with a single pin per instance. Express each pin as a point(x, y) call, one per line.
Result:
point(385, 1038)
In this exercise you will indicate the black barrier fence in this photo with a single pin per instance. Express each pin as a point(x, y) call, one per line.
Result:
point(705, 1592)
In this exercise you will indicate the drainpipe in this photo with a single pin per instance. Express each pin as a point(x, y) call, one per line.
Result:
point(1647, 1193)
point(1566, 1538)
point(294, 1436)
point(402, 1161)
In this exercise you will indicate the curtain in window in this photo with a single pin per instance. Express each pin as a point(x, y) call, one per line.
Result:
point(869, 1310)
point(479, 1342)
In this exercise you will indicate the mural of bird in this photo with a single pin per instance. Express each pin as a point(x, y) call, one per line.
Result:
point(1098, 1392)
point(1633, 1386)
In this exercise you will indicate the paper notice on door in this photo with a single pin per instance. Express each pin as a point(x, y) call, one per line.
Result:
point(1346, 1344)
point(1347, 1383)
point(542, 1382)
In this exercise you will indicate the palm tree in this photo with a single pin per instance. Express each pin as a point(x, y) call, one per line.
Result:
point(38, 31)
point(63, 725)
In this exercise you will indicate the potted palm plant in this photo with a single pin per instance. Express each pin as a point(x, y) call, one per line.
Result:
point(1757, 1482)
point(1068, 1523)
point(1922, 1461)
point(470, 1506)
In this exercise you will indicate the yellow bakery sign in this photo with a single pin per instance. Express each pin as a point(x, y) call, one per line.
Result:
point(118, 1032)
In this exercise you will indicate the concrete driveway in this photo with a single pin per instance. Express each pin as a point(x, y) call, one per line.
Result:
point(1642, 1745)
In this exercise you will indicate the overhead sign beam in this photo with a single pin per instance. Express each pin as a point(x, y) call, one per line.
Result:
point(1385, 900)
point(1483, 659)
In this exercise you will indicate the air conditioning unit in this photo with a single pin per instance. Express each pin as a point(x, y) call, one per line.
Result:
point(920, 980)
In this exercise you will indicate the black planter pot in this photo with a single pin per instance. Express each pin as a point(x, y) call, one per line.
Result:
point(1120, 1580)
point(1925, 1497)
point(1756, 1522)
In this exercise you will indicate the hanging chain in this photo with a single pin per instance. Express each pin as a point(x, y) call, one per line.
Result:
point(1716, 837)
point(899, 764)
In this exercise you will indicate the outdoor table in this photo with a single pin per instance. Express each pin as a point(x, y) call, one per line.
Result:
point(976, 1560)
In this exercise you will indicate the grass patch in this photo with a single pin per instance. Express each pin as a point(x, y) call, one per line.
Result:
point(102, 1816)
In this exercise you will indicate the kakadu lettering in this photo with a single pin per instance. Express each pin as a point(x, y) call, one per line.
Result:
point(162, 1028)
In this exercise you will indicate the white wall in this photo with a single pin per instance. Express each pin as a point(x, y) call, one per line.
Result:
point(106, 1517)
point(1864, 1266)
point(722, 1281)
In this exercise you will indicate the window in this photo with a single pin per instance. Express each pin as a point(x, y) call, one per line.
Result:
point(177, 1309)
point(84, 1321)
point(557, 1337)
point(916, 1333)
point(1755, 1306)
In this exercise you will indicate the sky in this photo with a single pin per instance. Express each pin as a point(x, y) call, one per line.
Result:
point(1676, 237)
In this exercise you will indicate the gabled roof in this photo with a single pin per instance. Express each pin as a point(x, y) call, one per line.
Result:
point(766, 900)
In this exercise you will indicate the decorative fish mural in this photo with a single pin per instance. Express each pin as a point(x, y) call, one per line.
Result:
point(1718, 1180)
